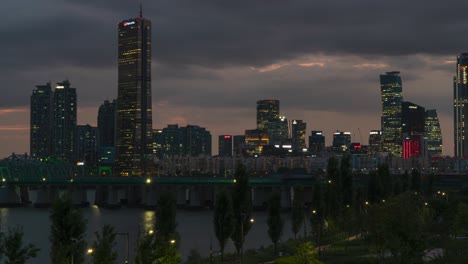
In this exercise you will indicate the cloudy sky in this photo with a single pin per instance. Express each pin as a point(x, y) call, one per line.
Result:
point(213, 59)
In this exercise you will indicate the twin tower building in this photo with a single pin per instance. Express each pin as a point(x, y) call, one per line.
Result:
point(54, 132)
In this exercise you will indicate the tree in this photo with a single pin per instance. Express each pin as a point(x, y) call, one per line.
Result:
point(223, 219)
point(297, 213)
point(145, 250)
point(67, 232)
point(165, 225)
point(400, 226)
point(415, 181)
point(304, 255)
point(242, 207)
point(346, 180)
point(430, 185)
point(103, 246)
point(275, 223)
point(14, 251)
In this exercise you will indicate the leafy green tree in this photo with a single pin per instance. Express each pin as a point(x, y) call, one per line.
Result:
point(14, 250)
point(346, 180)
point(297, 213)
point(415, 181)
point(145, 250)
point(67, 232)
point(275, 223)
point(223, 219)
point(305, 254)
point(318, 216)
point(400, 226)
point(103, 246)
point(405, 181)
point(430, 185)
point(165, 225)
point(242, 207)
point(334, 187)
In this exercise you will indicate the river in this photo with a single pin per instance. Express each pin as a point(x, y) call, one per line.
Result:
point(195, 228)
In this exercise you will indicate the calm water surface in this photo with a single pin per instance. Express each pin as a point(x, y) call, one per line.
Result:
point(194, 227)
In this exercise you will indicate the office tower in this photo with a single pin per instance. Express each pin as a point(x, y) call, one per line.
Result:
point(412, 119)
point(267, 110)
point(278, 131)
point(41, 122)
point(195, 141)
point(433, 134)
point(390, 85)
point(341, 142)
point(256, 139)
point(316, 142)
point(460, 106)
point(171, 144)
point(64, 129)
point(134, 146)
point(87, 144)
point(157, 142)
point(106, 123)
point(225, 145)
point(412, 146)
point(239, 142)
point(375, 142)
point(298, 134)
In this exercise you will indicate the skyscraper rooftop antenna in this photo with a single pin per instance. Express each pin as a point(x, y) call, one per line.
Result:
point(141, 11)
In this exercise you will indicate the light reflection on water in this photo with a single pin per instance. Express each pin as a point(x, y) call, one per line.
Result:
point(195, 228)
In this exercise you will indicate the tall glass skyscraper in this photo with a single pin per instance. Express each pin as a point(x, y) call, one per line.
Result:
point(134, 115)
point(298, 135)
point(391, 88)
point(460, 106)
point(41, 122)
point(267, 110)
point(64, 129)
point(433, 134)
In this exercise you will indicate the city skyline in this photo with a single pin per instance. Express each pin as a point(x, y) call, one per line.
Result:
point(330, 88)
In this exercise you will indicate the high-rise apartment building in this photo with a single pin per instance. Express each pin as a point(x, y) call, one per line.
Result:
point(316, 142)
point(267, 110)
point(106, 123)
point(391, 88)
point(239, 142)
point(185, 141)
point(134, 145)
point(433, 134)
point(460, 106)
point(64, 128)
point(298, 135)
point(87, 144)
point(41, 122)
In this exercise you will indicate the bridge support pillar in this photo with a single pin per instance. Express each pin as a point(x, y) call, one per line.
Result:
point(135, 196)
point(9, 196)
point(151, 197)
point(285, 198)
point(181, 196)
point(194, 200)
point(46, 195)
point(113, 200)
point(260, 197)
point(100, 195)
point(24, 195)
point(78, 196)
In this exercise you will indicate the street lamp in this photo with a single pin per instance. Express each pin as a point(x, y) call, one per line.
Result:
point(127, 236)
point(89, 251)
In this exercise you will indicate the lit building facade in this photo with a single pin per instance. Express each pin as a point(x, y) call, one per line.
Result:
point(225, 145)
point(316, 142)
point(460, 106)
point(239, 142)
point(298, 135)
point(278, 130)
point(64, 129)
point(341, 142)
point(267, 110)
point(375, 142)
point(41, 122)
point(391, 89)
point(413, 119)
point(134, 145)
point(433, 134)
point(184, 141)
